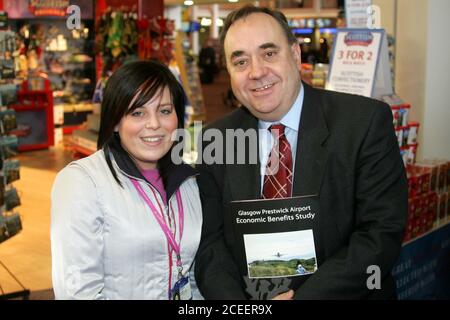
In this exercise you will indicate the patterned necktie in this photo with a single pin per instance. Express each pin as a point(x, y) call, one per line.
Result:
point(278, 178)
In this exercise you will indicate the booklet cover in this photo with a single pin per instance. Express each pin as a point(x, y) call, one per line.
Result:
point(275, 246)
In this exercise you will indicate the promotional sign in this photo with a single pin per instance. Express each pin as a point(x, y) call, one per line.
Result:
point(356, 13)
point(30, 9)
point(422, 271)
point(48, 7)
point(3, 19)
point(360, 63)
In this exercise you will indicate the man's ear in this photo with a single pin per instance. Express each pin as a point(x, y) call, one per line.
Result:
point(227, 66)
point(116, 128)
point(297, 54)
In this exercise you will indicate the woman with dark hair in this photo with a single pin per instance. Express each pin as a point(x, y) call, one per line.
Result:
point(126, 221)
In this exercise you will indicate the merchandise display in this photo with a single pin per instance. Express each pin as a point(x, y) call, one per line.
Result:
point(50, 49)
point(10, 219)
point(405, 130)
point(116, 36)
point(315, 75)
point(84, 139)
point(427, 180)
point(34, 108)
point(190, 79)
point(122, 36)
point(319, 75)
point(428, 187)
point(8, 49)
point(42, 47)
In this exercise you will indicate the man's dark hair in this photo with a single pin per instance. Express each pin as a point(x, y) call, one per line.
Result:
point(247, 10)
point(130, 87)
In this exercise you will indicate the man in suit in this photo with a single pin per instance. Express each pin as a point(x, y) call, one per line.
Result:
point(344, 149)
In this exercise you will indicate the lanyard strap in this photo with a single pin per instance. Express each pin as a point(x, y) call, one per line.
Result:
point(162, 223)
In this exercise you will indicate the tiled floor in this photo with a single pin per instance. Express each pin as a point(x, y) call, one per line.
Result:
point(27, 255)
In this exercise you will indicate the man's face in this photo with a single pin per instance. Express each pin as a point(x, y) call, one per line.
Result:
point(264, 68)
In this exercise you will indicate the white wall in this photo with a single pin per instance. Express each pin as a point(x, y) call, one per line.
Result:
point(411, 55)
point(436, 118)
point(422, 67)
point(387, 14)
point(174, 13)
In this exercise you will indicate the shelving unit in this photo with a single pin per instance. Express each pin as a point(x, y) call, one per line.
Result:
point(84, 141)
point(190, 79)
point(10, 221)
point(34, 116)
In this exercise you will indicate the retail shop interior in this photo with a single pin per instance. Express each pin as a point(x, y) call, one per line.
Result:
point(54, 64)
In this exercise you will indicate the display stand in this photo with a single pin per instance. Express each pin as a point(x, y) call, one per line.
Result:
point(84, 140)
point(421, 272)
point(190, 79)
point(360, 63)
point(10, 221)
point(34, 116)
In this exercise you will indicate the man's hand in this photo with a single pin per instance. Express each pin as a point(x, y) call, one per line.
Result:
point(288, 295)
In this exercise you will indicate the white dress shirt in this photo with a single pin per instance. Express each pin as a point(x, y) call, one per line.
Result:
point(291, 121)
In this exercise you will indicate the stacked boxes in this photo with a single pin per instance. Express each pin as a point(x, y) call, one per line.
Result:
point(428, 181)
point(428, 196)
point(406, 132)
point(319, 75)
point(84, 139)
point(422, 203)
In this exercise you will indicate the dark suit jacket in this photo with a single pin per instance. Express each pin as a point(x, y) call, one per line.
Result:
point(348, 154)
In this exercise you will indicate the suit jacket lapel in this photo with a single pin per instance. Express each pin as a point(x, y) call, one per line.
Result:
point(311, 156)
point(245, 178)
point(310, 160)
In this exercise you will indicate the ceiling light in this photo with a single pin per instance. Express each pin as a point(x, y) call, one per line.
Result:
point(188, 2)
point(205, 22)
point(233, 0)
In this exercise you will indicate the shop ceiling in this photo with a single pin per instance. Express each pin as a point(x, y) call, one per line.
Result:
point(202, 2)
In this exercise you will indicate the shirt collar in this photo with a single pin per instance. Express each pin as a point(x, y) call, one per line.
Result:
point(290, 119)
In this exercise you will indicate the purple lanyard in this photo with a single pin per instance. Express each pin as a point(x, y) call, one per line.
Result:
point(159, 217)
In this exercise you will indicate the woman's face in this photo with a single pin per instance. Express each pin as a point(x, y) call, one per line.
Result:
point(146, 132)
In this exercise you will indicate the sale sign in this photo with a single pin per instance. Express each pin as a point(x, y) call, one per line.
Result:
point(360, 63)
point(356, 13)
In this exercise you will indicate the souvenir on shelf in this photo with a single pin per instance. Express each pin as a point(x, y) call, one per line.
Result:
point(190, 79)
point(10, 222)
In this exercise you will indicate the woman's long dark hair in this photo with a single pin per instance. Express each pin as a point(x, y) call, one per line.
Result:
point(143, 80)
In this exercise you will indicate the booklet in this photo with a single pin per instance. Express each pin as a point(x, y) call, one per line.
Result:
point(275, 244)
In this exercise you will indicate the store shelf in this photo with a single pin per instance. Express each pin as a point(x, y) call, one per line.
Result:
point(34, 110)
point(190, 78)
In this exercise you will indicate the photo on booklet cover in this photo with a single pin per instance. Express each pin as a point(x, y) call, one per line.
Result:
point(283, 254)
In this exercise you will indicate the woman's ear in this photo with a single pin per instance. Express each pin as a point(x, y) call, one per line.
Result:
point(116, 128)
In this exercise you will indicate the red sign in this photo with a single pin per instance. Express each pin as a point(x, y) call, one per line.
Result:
point(55, 8)
point(359, 38)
